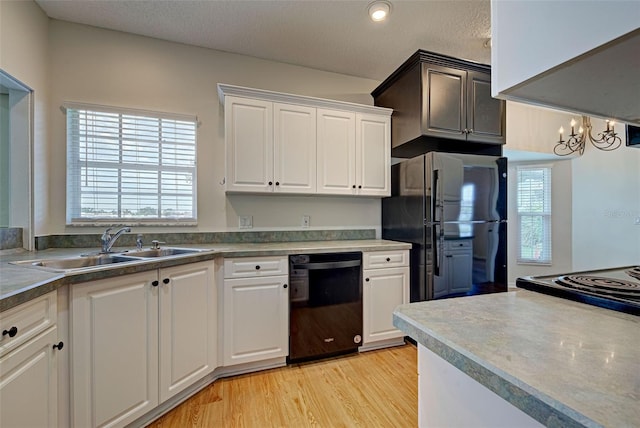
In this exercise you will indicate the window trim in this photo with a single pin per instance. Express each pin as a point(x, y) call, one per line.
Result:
point(547, 216)
point(133, 221)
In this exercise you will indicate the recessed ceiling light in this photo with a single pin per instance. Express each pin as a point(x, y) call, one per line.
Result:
point(379, 10)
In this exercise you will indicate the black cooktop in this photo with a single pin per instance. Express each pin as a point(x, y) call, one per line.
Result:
point(617, 289)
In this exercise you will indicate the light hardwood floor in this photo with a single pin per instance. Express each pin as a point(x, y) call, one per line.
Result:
point(370, 389)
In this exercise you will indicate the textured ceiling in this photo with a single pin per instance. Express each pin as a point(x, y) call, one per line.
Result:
point(335, 35)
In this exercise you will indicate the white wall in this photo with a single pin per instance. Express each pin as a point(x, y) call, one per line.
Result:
point(606, 202)
point(112, 68)
point(24, 55)
point(534, 129)
point(532, 36)
point(595, 197)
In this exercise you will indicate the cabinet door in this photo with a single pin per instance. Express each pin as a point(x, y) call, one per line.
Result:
point(485, 114)
point(373, 154)
point(256, 319)
point(336, 152)
point(29, 384)
point(384, 289)
point(294, 149)
point(114, 350)
point(444, 111)
point(249, 145)
point(187, 339)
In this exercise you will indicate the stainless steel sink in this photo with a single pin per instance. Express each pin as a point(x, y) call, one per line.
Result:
point(163, 252)
point(88, 261)
point(74, 263)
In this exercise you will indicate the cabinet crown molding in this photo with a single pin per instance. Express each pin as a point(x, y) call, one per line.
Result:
point(261, 94)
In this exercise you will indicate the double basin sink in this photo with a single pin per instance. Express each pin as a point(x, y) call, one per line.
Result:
point(70, 264)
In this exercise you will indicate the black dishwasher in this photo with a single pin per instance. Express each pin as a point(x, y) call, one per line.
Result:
point(325, 303)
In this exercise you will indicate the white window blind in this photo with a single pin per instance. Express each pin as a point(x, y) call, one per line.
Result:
point(125, 165)
point(534, 214)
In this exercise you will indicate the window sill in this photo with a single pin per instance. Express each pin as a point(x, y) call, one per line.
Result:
point(531, 263)
point(133, 224)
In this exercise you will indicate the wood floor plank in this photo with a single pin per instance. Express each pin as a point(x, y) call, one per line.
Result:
point(370, 389)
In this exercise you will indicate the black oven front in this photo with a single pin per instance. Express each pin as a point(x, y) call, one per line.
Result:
point(325, 301)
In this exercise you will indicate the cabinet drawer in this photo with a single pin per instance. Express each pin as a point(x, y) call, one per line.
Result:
point(246, 267)
point(385, 259)
point(27, 320)
point(458, 244)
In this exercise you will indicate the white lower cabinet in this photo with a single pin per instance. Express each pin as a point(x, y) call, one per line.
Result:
point(118, 327)
point(256, 311)
point(187, 326)
point(114, 350)
point(385, 286)
point(29, 371)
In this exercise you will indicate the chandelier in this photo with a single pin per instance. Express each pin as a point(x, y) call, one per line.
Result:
point(607, 140)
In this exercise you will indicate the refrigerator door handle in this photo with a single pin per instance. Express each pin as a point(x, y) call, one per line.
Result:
point(434, 228)
point(434, 194)
point(435, 253)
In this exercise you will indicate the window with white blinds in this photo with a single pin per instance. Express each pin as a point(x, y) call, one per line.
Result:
point(534, 214)
point(130, 166)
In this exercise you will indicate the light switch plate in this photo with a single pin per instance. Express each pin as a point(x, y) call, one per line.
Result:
point(245, 221)
point(306, 220)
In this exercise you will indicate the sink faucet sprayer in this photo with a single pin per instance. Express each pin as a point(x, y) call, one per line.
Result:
point(108, 240)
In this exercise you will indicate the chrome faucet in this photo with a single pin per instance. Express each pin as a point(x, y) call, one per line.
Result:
point(108, 240)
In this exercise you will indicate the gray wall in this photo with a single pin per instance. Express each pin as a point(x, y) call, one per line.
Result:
point(97, 66)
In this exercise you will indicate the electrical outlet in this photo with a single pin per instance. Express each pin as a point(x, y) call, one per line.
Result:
point(306, 220)
point(245, 222)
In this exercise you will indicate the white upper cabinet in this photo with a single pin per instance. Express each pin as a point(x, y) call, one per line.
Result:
point(336, 152)
point(249, 149)
point(373, 155)
point(294, 149)
point(576, 64)
point(282, 143)
point(354, 153)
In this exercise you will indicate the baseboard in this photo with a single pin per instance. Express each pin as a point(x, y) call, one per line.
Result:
point(397, 341)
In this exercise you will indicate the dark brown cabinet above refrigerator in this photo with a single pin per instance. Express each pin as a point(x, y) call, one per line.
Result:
point(442, 103)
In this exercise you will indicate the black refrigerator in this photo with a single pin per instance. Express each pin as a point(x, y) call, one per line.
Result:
point(453, 209)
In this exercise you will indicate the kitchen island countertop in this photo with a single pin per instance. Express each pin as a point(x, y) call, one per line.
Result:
point(563, 363)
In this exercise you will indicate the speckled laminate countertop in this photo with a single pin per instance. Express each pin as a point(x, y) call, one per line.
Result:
point(562, 362)
point(19, 284)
